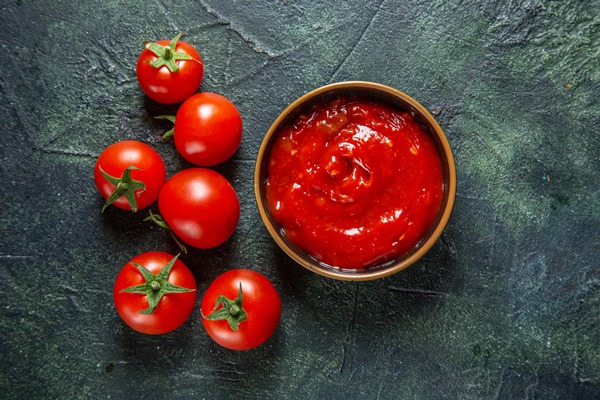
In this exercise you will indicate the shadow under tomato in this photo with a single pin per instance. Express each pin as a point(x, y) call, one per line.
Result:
point(248, 369)
point(127, 229)
point(157, 352)
point(154, 108)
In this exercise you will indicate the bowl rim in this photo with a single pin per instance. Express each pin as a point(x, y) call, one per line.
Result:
point(392, 266)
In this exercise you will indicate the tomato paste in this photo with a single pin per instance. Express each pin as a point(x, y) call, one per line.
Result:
point(354, 182)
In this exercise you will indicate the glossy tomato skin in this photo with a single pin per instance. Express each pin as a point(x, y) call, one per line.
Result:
point(164, 86)
point(120, 155)
point(260, 301)
point(208, 129)
point(173, 308)
point(200, 206)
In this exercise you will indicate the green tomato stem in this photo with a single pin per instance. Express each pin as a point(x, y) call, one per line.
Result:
point(228, 310)
point(125, 186)
point(168, 55)
point(168, 52)
point(160, 221)
point(155, 286)
point(171, 132)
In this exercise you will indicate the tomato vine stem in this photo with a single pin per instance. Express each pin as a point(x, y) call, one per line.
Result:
point(170, 132)
point(160, 221)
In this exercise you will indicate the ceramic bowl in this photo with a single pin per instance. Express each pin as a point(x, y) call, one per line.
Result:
point(397, 99)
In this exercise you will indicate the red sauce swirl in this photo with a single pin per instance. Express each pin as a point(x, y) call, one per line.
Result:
point(354, 182)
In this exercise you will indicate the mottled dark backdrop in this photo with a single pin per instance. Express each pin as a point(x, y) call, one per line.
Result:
point(505, 306)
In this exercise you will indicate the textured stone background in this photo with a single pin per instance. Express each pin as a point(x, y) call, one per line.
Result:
point(505, 306)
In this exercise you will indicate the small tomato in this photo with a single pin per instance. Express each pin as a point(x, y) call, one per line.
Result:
point(200, 206)
point(129, 174)
point(155, 293)
point(169, 71)
point(208, 129)
point(241, 309)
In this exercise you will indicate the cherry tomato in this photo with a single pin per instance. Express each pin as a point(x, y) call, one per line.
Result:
point(129, 174)
point(241, 309)
point(208, 129)
point(169, 71)
point(155, 293)
point(200, 206)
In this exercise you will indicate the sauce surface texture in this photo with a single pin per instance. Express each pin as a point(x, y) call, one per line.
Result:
point(354, 182)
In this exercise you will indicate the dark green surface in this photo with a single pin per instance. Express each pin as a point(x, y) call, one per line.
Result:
point(505, 306)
